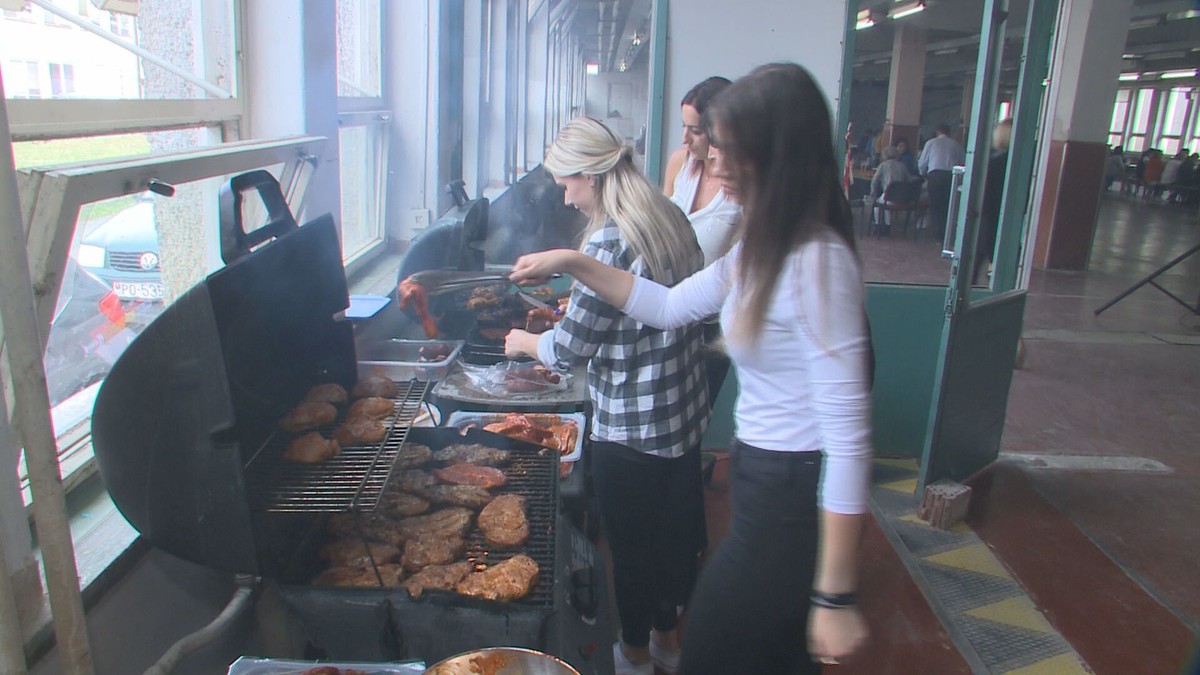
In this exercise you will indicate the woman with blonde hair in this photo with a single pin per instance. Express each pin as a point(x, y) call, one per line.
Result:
point(647, 386)
point(790, 295)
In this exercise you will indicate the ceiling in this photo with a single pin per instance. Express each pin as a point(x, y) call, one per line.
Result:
point(1159, 39)
point(606, 29)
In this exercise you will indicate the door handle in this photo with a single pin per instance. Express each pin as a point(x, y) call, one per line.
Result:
point(956, 181)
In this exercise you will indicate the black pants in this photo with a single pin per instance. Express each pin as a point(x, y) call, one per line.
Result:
point(750, 610)
point(647, 504)
point(939, 201)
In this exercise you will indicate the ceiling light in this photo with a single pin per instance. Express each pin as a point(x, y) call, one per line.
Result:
point(1128, 77)
point(592, 68)
point(637, 39)
point(1130, 56)
point(1145, 23)
point(1187, 14)
point(864, 20)
point(902, 11)
point(943, 52)
point(1177, 74)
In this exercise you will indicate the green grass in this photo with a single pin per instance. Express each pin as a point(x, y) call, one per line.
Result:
point(70, 150)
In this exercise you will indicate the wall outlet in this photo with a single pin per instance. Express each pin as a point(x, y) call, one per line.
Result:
point(418, 219)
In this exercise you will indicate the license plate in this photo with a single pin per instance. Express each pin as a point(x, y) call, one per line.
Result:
point(138, 289)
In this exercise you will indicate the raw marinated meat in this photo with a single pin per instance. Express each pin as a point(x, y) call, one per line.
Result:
point(311, 448)
point(308, 416)
point(509, 580)
point(473, 453)
point(472, 474)
point(375, 387)
point(503, 522)
point(434, 549)
point(360, 432)
point(441, 577)
point(326, 393)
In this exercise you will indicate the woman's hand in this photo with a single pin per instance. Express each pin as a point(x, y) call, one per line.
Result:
point(834, 634)
point(519, 343)
point(535, 268)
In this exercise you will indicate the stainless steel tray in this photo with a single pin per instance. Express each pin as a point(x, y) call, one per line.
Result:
point(400, 360)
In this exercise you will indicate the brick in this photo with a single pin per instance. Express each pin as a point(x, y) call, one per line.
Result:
point(944, 504)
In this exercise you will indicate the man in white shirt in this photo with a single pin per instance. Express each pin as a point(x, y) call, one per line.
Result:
point(939, 156)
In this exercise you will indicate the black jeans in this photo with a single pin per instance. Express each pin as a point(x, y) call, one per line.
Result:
point(938, 183)
point(648, 506)
point(750, 610)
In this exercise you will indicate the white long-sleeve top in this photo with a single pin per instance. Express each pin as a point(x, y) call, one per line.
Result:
point(712, 221)
point(804, 383)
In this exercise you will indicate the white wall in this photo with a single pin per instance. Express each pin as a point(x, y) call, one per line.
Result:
point(718, 37)
point(1087, 61)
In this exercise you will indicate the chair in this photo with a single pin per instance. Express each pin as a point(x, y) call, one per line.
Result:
point(900, 196)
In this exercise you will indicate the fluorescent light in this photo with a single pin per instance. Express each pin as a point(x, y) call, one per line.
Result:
point(1129, 57)
point(1128, 77)
point(906, 10)
point(1188, 14)
point(1145, 23)
point(592, 68)
point(637, 39)
point(1177, 74)
point(622, 66)
point(943, 52)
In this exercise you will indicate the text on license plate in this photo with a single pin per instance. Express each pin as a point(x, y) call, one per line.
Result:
point(138, 289)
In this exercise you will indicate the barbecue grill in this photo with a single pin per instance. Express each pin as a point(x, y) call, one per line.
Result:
point(186, 439)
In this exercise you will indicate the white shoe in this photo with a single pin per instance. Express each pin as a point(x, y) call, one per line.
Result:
point(666, 659)
point(625, 667)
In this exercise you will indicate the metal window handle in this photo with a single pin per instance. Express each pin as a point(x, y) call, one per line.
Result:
point(956, 181)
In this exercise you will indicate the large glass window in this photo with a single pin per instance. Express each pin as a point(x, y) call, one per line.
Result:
point(358, 48)
point(362, 151)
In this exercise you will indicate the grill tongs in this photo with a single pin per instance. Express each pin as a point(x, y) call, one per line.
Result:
point(440, 281)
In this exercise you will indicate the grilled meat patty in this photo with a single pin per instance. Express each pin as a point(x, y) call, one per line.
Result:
point(434, 549)
point(375, 387)
point(309, 415)
point(348, 552)
point(472, 474)
point(311, 448)
point(473, 453)
point(397, 504)
point(361, 577)
point(470, 496)
point(414, 480)
point(326, 393)
point(356, 432)
point(371, 408)
point(441, 577)
point(413, 455)
point(451, 522)
point(503, 522)
point(509, 580)
point(375, 529)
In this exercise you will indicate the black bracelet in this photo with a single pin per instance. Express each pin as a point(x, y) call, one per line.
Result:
point(834, 600)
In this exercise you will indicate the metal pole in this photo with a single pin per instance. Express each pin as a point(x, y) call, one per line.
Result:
point(32, 419)
point(148, 56)
point(12, 641)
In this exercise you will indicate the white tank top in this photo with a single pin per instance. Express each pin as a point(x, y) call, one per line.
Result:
point(712, 222)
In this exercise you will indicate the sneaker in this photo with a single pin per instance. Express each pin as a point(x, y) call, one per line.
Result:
point(625, 667)
point(667, 660)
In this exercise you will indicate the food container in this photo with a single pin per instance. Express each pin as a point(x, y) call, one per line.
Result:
point(400, 360)
point(464, 418)
point(502, 661)
point(249, 665)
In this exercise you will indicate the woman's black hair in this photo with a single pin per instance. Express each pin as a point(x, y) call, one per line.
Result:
point(702, 94)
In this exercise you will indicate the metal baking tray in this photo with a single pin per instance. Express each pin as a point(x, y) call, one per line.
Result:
point(250, 665)
point(463, 418)
point(400, 360)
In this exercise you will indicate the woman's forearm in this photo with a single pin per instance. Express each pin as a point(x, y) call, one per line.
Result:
point(611, 284)
point(837, 556)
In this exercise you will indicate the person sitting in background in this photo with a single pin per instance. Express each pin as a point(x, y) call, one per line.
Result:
point(1153, 171)
point(906, 156)
point(891, 170)
point(1114, 167)
point(1170, 173)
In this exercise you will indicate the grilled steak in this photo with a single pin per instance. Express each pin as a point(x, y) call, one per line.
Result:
point(472, 474)
point(375, 529)
point(308, 416)
point(414, 480)
point(396, 504)
point(356, 553)
point(422, 552)
point(472, 453)
point(451, 522)
point(510, 580)
point(375, 387)
point(311, 448)
point(441, 577)
point(371, 408)
point(361, 577)
point(470, 496)
point(413, 455)
point(356, 432)
point(503, 522)
point(326, 393)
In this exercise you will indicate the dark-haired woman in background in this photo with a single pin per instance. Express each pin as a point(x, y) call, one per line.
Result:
point(790, 295)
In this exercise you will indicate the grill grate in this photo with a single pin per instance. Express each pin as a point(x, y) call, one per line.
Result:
point(351, 481)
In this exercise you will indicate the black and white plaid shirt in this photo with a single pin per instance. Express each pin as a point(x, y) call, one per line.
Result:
point(648, 386)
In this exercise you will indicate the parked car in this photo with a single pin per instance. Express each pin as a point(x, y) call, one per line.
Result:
point(122, 252)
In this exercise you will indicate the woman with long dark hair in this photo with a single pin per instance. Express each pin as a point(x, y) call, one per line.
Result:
point(790, 295)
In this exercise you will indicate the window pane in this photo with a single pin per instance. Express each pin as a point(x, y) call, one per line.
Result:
point(194, 36)
point(360, 174)
point(1114, 140)
point(1120, 111)
point(1135, 144)
point(358, 48)
point(1141, 114)
point(1169, 146)
point(1176, 110)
